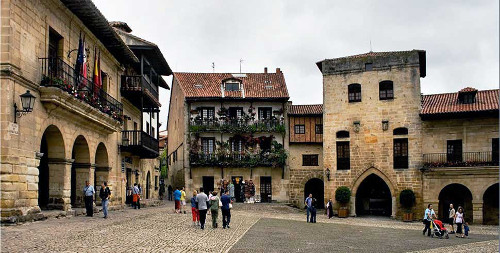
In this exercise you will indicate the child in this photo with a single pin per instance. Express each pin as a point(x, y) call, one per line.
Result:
point(466, 229)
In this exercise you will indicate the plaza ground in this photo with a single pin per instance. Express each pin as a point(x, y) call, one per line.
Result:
point(254, 228)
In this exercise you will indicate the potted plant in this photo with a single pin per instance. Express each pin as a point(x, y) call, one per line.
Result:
point(407, 201)
point(343, 196)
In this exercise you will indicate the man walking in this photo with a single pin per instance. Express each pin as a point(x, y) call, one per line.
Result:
point(136, 197)
point(451, 218)
point(88, 192)
point(105, 194)
point(226, 211)
point(308, 203)
point(177, 199)
point(169, 189)
point(202, 199)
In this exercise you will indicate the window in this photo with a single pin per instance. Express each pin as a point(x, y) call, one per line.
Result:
point(309, 160)
point(354, 91)
point(55, 43)
point(236, 145)
point(454, 151)
point(300, 129)
point(368, 66)
point(235, 112)
point(386, 90)
point(208, 112)
point(208, 145)
point(401, 153)
point(468, 98)
point(343, 155)
point(342, 134)
point(232, 87)
point(494, 150)
point(319, 129)
point(265, 112)
point(400, 131)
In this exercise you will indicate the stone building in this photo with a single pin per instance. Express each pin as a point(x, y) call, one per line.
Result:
point(231, 127)
point(74, 132)
point(382, 136)
point(305, 160)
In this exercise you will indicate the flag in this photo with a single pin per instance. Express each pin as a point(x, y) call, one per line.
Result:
point(97, 72)
point(83, 70)
point(79, 57)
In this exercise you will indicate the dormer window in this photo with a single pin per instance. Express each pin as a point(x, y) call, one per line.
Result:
point(467, 95)
point(232, 87)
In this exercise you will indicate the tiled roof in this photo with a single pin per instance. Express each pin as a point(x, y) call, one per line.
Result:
point(468, 89)
point(486, 100)
point(255, 85)
point(305, 109)
point(377, 54)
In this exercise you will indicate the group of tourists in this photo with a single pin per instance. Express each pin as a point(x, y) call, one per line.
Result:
point(180, 200)
point(104, 194)
point(201, 204)
point(455, 218)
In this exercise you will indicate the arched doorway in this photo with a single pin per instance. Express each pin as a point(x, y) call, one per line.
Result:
point(373, 197)
point(490, 205)
point(102, 168)
point(148, 184)
point(458, 195)
point(51, 170)
point(315, 186)
point(80, 170)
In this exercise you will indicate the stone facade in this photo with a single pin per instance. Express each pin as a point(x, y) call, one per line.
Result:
point(300, 174)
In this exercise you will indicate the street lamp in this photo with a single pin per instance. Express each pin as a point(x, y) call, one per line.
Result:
point(328, 174)
point(356, 126)
point(28, 102)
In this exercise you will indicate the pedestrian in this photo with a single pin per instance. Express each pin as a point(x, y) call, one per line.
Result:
point(428, 215)
point(169, 188)
point(88, 192)
point(329, 208)
point(231, 190)
point(136, 197)
point(226, 201)
point(308, 205)
point(459, 220)
point(214, 208)
point(194, 210)
point(201, 200)
point(313, 211)
point(162, 191)
point(451, 218)
point(177, 200)
point(209, 196)
point(466, 229)
point(105, 195)
point(183, 201)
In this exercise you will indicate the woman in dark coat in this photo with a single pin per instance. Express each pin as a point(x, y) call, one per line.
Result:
point(329, 207)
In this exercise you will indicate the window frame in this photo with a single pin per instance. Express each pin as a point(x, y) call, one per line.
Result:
point(299, 126)
point(343, 160)
point(354, 92)
point(232, 85)
point(320, 127)
point(310, 160)
point(210, 112)
point(401, 148)
point(265, 111)
point(383, 89)
point(208, 139)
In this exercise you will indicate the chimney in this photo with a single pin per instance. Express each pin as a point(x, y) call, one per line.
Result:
point(265, 70)
point(278, 70)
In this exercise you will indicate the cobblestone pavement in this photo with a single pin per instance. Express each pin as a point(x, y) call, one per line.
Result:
point(159, 229)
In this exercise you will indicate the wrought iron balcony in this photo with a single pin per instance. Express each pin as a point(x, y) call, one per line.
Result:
point(139, 143)
point(465, 159)
point(137, 88)
point(228, 125)
point(275, 158)
point(57, 73)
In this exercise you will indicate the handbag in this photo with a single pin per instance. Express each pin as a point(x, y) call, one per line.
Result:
point(220, 203)
point(230, 206)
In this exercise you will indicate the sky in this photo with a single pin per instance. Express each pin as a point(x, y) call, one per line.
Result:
point(460, 37)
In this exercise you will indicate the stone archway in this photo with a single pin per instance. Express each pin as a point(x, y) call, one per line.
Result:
point(52, 170)
point(373, 197)
point(80, 170)
point(101, 173)
point(458, 195)
point(490, 205)
point(316, 187)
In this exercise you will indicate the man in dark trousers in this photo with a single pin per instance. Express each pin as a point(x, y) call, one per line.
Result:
point(170, 191)
point(105, 194)
point(202, 199)
point(226, 210)
point(88, 192)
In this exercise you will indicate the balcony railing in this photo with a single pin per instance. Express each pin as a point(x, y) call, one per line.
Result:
point(465, 159)
point(141, 84)
point(57, 73)
point(276, 158)
point(139, 142)
point(228, 125)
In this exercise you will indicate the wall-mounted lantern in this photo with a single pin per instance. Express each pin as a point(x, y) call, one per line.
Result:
point(328, 174)
point(28, 102)
point(385, 125)
point(137, 173)
point(356, 126)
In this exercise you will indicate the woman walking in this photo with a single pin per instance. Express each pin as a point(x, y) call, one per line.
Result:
point(194, 210)
point(329, 209)
point(459, 220)
point(428, 215)
point(214, 208)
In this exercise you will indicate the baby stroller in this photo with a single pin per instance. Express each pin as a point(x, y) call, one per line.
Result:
point(439, 230)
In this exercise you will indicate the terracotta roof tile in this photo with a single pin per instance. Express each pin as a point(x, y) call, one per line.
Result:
point(305, 109)
point(377, 54)
point(468, 89)
point(255, 85)
point(486, 100)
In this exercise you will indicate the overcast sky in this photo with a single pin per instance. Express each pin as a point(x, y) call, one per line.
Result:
point(460, 37)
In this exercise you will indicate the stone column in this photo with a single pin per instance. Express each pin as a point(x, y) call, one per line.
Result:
point(84, 172)
point(60, 184)
point(101, 175)
point(394, 207)
point(352, 208)
point(477, 211)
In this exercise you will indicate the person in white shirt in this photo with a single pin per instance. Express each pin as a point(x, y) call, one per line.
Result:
point(459, 220)
point(88, 192)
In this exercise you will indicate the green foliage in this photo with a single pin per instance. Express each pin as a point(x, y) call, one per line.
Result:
point(407, 199)
point(343, 195)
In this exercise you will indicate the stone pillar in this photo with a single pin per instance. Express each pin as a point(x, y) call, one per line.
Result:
point(394, 207)
point(83, 173)
point(477, 211)
point(101, 175)
point(60, 184)
point(352, 207)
